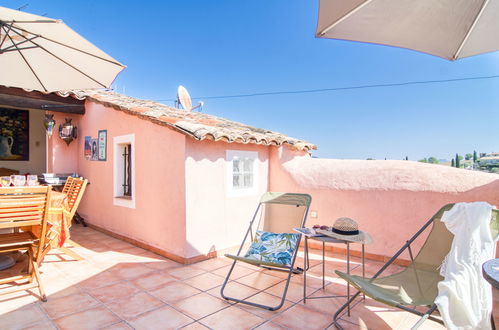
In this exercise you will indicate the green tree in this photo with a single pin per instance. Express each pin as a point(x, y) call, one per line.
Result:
point(433, 160)
point(453, 163)
point(468, 156)
point(406, 157)
point(458, 158)
point(424, 160)
point(475, 157)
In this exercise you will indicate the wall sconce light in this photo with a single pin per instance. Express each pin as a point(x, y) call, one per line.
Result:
point(49, 124)
point(67, 131)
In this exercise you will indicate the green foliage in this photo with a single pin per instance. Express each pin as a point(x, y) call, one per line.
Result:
point(424, 160)
point(433, 160)
point(453, 163)
point(475, 157)
point(468, 156)
point(458, 158)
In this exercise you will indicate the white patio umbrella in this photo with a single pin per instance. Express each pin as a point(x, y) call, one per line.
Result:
point(451, 29)
point(44, 54)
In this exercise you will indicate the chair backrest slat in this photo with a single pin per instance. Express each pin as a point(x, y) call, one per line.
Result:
point(23, 206)
point(74, 188)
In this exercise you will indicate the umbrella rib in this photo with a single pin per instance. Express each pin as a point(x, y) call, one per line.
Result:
point(350, 13)
point(6, 33)
point(71, 47)
point(27, 63)
point(475, 21)
point(60, 59)
point(19, 43)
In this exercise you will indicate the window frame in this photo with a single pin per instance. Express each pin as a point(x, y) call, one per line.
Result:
point(243, 191)
point(119, 198)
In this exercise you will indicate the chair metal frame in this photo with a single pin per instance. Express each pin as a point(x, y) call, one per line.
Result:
point(424, 315)
point(289, 269)
point(24, 217)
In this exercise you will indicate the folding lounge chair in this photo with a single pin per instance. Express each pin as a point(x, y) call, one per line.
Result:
point(278, 214)
point(417, 284)
point(74, 190)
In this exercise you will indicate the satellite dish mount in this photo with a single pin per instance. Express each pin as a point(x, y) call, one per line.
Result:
point(184, 100)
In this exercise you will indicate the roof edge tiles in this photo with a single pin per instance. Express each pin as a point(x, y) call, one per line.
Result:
point(200, 126)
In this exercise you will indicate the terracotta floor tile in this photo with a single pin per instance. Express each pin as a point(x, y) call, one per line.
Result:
point(95, 318)
point(46, 325)
point(131, 307)
point(235, 290)
point(195, 326)
point(259, 280)
point(294, 293)
point(130, 271)
point(162, 264)
point(238, 272)
point(22, 317)
point(232, 318)
point(200, 305)
point(185, 272)
point(58, 307)
point(153, 280)
point(162, 318)
point(100, 280)
point(324, 305)
point(205, 281)
point(115, 291)
point(212, 264)
point(270, 326)
point(118, 326)
point(174, 291)
point(299, 317)
point(264, 298)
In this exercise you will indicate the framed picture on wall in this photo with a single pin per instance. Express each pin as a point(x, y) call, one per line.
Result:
point(95, 149)
point(102, 141)
point(14, 134)
point(88, 147)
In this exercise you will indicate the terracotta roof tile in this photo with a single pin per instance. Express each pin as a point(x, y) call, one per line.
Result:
point(195, 124)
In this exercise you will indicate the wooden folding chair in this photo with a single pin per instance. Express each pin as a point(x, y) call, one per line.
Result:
point(74, 188)
point(24, 207)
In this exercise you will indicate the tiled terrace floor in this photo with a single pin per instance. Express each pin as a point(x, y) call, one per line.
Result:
point(120, 286)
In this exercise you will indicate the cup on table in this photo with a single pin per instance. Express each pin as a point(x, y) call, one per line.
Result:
point(5, 181)
point(32, 180)
point(18, 180)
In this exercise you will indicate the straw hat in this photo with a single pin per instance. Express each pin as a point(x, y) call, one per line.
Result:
point(347, 229)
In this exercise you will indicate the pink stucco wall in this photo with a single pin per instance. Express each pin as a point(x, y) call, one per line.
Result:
point(62, 158)
point(182, 205)
point(158, 219)
point(215, 221)
point(389, 199)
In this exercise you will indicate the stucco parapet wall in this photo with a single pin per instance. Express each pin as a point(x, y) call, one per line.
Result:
point(198, 125)
point(357, 175)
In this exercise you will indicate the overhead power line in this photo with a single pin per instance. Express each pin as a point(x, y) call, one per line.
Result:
point(319, 90)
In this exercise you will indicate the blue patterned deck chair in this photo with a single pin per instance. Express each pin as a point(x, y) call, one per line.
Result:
point(274, 244)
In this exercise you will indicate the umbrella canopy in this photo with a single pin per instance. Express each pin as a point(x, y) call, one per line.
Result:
point(44, 54)
point(451, 29)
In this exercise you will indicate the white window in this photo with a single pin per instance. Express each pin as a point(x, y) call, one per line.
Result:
point(124, 170)
point(242, 173)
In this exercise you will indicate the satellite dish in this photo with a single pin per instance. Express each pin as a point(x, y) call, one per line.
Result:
point(183, 98)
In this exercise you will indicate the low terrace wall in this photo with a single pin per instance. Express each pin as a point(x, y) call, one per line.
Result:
point(389, 199)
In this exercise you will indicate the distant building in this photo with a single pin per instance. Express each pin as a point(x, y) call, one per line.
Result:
point(490, 160)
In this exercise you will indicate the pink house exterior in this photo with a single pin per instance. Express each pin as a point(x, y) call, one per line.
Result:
point(184, 205)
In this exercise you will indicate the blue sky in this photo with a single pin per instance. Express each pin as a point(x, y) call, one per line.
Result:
point(228, 47)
